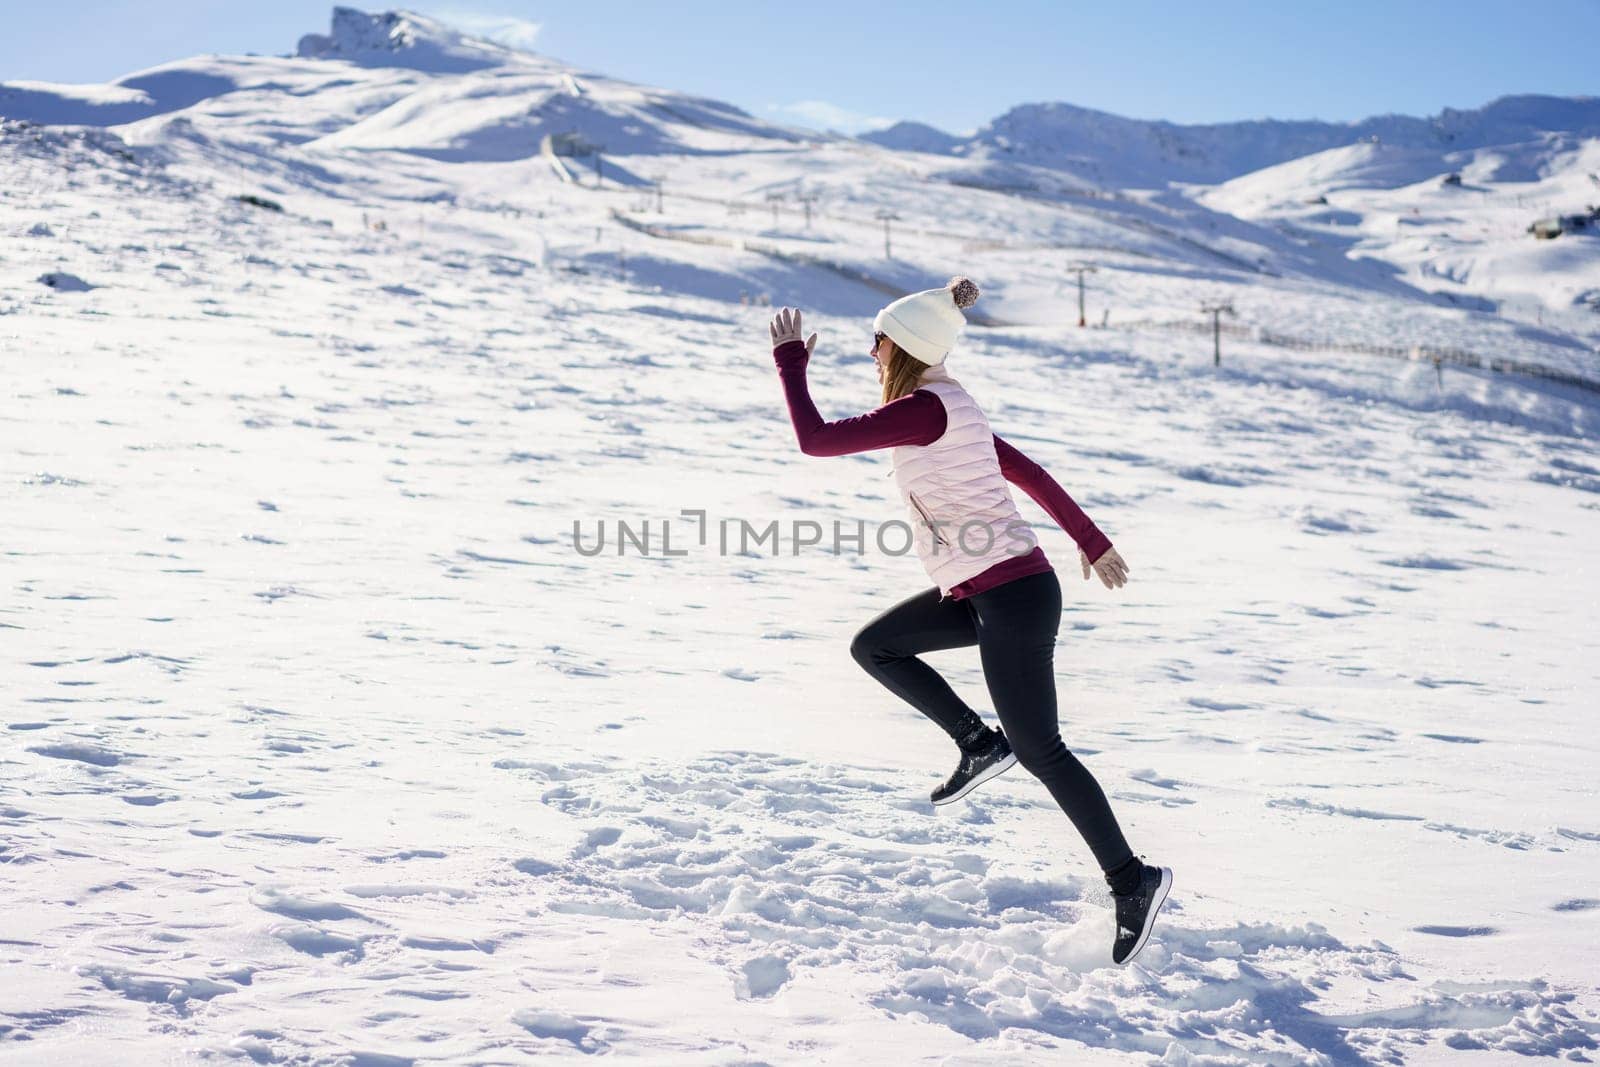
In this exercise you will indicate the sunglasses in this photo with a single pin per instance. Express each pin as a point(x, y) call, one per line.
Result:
point(877, 338)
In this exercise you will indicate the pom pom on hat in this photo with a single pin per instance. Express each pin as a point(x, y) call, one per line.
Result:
point(926, 324)
point(965, 291)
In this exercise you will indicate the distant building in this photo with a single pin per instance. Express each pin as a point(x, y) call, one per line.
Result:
point(1451, 179)
point(565, 144)
point(1551, 228)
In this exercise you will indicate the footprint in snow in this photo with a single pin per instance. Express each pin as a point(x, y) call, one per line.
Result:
point(774, 889)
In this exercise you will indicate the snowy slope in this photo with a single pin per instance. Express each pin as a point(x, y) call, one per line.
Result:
point(1392, 205)
point(399, 84)
point(323, 744)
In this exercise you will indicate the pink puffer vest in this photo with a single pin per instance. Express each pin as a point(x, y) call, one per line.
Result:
point(959, 503)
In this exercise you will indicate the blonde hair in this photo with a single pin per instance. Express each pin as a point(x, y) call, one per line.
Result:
point(901, 372)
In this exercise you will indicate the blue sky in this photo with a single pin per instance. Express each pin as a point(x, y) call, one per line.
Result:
point(954, 65)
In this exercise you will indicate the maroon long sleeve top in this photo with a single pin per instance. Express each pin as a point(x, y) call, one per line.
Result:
point(918, 418)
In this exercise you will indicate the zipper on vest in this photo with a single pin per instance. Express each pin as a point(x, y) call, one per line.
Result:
point(927, 518)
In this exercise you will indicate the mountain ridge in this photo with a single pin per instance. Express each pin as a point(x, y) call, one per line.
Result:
point(1110, 149)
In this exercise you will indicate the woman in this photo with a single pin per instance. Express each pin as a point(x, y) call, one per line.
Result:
point(993, 589)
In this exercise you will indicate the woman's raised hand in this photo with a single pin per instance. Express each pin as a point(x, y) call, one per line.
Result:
point(1111, 567)
point(784, 328)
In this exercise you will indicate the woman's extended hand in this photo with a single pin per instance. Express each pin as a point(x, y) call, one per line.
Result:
point(786, 329)
point(1111, 567)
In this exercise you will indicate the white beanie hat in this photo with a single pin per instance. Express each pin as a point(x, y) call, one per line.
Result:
point(925, 324)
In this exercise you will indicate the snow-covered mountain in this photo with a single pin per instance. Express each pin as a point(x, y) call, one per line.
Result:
point(322, 742)
point(1445, 202)
point(403, 82)
point(378, 85)
point(915, 137)
point(1118, 152)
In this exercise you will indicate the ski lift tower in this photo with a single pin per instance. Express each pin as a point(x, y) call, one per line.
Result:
point(1080, 269)
point(887, 216)
point(807, 198)
point(1216, 309)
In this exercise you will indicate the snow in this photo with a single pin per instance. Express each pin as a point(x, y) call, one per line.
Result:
point(323, 744)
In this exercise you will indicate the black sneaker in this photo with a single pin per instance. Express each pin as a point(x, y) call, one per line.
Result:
point(977, 767)
point(1136, 912)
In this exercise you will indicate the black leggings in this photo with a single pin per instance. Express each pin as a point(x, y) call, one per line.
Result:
point(1014, 626)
